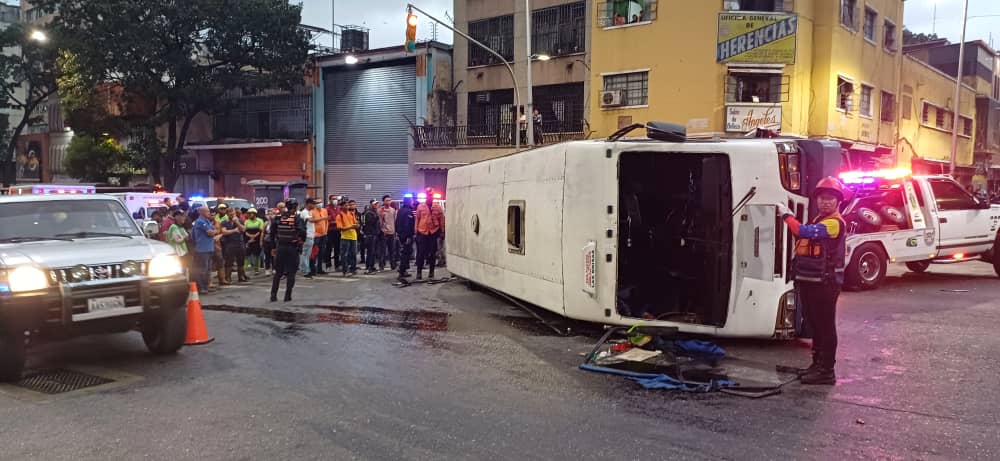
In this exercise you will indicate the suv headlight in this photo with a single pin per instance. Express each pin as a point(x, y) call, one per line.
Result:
point(27, 278)
point(165, 266)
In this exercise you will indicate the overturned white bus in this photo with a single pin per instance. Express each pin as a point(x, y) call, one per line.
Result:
point(662, 230)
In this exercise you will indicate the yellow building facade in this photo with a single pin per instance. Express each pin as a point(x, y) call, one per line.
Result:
point(926, 114)
point(811, 68)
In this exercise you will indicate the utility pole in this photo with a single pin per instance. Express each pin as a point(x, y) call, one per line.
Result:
point(517, 95)
point(958, 92)
point(529, 122)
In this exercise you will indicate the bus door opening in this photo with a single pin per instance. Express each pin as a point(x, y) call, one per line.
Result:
point(675, 237)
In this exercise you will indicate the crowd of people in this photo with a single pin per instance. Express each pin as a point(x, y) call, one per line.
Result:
point(314, 239)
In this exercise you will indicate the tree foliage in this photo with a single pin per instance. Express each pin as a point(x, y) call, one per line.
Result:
point(909, 38)
point(32, 70)
point(183, 56)
point(96, 159)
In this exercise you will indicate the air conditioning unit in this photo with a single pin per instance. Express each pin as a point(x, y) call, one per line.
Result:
point(611, 98)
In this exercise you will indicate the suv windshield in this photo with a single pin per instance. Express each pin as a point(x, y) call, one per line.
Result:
point(61, 219)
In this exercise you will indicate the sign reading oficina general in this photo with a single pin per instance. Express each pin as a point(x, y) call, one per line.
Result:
point(744, 118)
point(757, 38)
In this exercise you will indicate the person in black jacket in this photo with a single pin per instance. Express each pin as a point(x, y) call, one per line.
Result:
point(405, 228)
point(372, 230)
point(287, 236)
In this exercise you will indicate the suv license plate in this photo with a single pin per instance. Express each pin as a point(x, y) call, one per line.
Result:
point(104, 304)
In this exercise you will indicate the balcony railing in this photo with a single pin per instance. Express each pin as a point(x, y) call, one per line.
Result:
point(429, 137)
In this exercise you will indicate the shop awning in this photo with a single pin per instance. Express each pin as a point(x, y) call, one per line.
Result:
point(252, 145)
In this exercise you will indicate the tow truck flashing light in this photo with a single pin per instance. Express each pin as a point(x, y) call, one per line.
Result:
point(870, 177)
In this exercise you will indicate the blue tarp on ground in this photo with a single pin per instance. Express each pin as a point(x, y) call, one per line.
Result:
point(661, 381)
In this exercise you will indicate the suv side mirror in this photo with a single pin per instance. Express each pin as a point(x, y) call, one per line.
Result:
point(150, 228)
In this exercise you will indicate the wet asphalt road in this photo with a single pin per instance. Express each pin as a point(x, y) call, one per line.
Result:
point(446, 372)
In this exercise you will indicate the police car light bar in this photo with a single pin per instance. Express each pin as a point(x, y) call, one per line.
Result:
point(437, 196)
point(407, 195)
point(869, 177)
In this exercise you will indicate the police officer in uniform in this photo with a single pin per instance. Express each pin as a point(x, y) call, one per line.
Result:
point(818, 266)
point(287, 237)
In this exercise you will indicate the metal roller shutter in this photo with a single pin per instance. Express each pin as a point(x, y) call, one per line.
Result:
point(367, 134)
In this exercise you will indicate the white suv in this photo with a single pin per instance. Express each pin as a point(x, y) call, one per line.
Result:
point(76, 265)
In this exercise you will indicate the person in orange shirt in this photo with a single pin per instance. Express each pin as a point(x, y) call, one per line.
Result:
point(347, 224)
point(322, 222)
point(430, 227)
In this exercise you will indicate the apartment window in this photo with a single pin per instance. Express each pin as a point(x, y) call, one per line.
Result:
point(491, 113)
point(869, 28)
point(515, 227)
point(966, 126)
point(939, 118)
point(559, 30)
point(561, 107)
point(496, 33)
point(848, 14)
point(906, 107)
point(622, 12)
point(754, 87)
point(889, 36)
point(887, 107)
point(866, 100)
point(757, 5)
point(925, 114)
point(845, 94)
point(634, 87)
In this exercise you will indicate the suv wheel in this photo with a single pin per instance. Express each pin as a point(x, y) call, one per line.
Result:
point(12, 355)
point(996, 256)
point(867, 269)
point(165, 333)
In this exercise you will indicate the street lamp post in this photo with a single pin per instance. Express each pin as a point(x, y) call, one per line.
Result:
point(958, 92)
point(529, 124)
point(8, 164)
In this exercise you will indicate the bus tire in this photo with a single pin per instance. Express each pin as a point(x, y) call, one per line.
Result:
point(918, 266)
point(996, 257)
point(867, 269)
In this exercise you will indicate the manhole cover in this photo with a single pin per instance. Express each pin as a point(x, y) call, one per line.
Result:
point(54, 381)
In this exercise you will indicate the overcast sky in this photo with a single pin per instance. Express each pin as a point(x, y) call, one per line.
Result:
point(386, 18)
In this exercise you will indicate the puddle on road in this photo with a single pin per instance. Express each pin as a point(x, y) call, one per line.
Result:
point(402, 319)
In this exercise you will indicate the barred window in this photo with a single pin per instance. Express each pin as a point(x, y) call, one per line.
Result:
point(496, 33)
point(848, 14)
point(559, 30)
point(634, 87)
point(866, 100)
point(888, 107)
point(889, 35)
point(869, 27)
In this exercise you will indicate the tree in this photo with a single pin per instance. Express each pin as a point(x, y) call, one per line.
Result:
point(33, 68)
point(909, 38)
point(96, 159)
point(184, 57)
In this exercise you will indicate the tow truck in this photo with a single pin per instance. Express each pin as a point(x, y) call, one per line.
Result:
point(896, 217)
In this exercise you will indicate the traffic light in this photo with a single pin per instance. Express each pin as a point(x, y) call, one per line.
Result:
point(411, 32)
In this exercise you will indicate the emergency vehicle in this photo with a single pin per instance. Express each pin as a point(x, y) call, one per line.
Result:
point(212, 202)
point(662, 230)
point(895, 217)
point(142, 204)
point(50, 189)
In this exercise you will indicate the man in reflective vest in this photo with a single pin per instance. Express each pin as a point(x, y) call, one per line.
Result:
point(287, 236)
point(818, 266)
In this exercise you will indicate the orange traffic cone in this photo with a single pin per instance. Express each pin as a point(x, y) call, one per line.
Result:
point(197, 332)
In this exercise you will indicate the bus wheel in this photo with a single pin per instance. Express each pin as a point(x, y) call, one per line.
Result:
point(867, 269)
point(918, 266)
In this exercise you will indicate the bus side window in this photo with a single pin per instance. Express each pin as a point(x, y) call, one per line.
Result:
point(515, 227)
